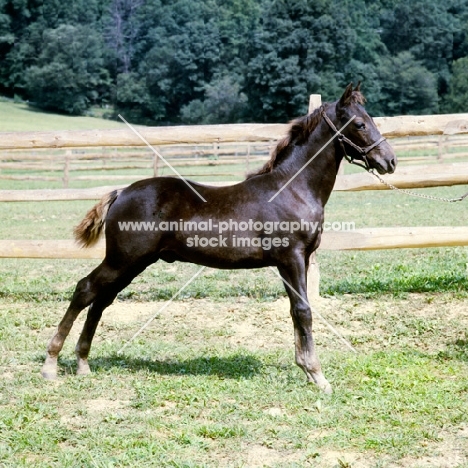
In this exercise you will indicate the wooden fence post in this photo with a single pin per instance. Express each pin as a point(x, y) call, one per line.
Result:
point(66, 168)
point(440, 153)
point(155, 163)
point(313, 275)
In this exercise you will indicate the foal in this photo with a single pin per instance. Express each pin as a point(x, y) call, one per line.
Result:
point(277, 212)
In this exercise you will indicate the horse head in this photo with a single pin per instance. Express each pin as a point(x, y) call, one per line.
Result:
point(360, 139)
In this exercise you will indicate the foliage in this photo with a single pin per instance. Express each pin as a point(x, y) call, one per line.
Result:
point(212, 61)
point(407, 86)
point(69, 72)
point(223, 103)
point(457, 97)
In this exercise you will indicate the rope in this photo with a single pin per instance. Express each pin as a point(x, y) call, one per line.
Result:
point(415, 194)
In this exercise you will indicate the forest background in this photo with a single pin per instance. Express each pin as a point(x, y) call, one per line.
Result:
point(162, 62)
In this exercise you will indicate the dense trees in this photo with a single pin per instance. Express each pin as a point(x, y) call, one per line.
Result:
point(217, 61)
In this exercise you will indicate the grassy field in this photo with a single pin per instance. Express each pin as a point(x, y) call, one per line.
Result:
point(19, 117)
point(212, 383)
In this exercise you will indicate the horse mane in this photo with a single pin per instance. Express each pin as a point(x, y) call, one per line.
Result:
point(298, 133)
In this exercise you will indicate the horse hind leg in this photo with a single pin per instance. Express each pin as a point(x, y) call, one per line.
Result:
point(104, 299)
point(86, 292)
point(82, 297)
point(92, 320)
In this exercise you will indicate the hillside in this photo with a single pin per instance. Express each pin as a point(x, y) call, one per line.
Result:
point(15, 117)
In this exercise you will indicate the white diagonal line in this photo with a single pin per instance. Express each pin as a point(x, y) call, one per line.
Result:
point(161, 309)
point(159, 155)
point(331, 327)
point(311, 159)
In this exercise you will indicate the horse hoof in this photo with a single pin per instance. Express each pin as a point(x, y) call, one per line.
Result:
point(322, 383)
point(83, 370)
point(327, 389)
point(49, 375)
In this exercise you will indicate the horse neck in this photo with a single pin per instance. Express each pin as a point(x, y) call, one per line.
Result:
point(318, 177)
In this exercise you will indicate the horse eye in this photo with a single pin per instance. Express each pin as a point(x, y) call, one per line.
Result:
point(360, 126)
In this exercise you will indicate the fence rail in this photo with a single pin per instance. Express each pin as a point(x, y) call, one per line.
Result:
point(408, 178)
point(448, 124)
point(67, 165)
point(359, 239)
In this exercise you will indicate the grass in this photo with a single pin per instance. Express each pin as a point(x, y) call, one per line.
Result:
point(196, 390)
point(19, 117)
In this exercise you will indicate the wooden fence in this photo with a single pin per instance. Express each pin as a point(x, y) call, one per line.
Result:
point(448, 124)
point(447, 174)
point(216, 160)
point(363, 239)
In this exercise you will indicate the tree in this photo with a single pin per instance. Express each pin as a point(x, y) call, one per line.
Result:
point(21, 36)
point(407, 86)
point(457, 97)
point(123, 31)
point(223, 103)
point(301, 48)
point(425, 28)
point(69, 74)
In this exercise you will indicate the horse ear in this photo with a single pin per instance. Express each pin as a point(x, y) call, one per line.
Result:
point(358, 86)
point(346, 98)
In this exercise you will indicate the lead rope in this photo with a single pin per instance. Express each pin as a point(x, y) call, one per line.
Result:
point(415, 194)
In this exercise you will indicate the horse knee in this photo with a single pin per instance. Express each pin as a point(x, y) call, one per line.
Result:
point(302, 316)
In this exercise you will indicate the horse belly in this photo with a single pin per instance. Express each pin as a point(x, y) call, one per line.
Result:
point(216, 251)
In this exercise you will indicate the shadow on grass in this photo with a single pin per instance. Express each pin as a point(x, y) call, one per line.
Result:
point(457, 350)
point(237, 366)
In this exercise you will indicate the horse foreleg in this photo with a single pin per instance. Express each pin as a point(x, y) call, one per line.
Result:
point(294, 277)
point(306, 355)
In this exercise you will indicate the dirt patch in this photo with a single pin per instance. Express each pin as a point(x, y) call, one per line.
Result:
point(450, 452)
point(259, 456)
point(100, 405)
point(420, 321)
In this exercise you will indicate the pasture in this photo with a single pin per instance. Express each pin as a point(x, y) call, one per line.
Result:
point(19, 117)
point(212, 381)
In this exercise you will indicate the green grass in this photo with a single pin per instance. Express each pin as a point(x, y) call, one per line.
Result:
point(19, 117)
point(193, 391)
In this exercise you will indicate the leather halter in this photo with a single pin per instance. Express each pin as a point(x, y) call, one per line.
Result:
point(363, 150)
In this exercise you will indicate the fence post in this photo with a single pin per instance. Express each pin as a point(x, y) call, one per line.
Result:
point(155, 163)
point(440, 154)
point(66, 168)
point(313, 275)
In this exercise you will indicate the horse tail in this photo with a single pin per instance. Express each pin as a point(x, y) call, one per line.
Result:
point(88, 231)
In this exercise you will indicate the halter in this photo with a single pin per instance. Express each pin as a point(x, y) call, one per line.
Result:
point(363, 150)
